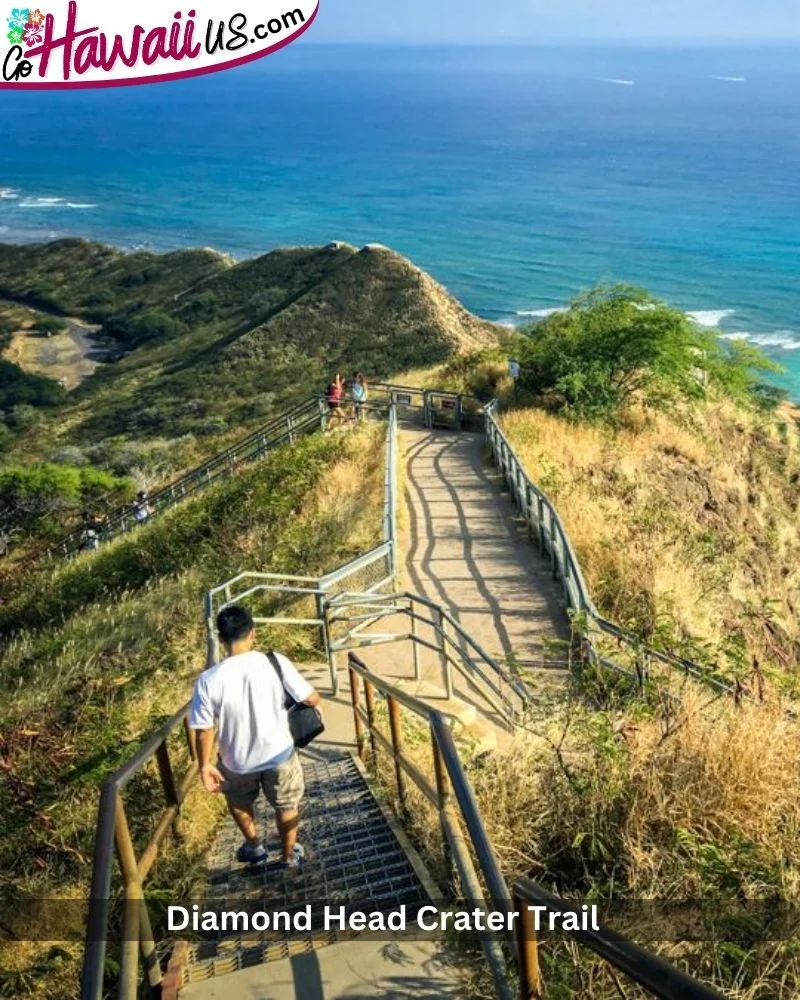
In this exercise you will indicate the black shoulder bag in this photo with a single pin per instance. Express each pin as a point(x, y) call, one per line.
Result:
point(305, 722)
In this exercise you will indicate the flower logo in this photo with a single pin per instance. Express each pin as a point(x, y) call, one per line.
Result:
point(33, 34)
point(20, 16)
point(25, 26)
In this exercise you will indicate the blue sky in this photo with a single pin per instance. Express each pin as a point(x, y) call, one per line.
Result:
point(432, 21)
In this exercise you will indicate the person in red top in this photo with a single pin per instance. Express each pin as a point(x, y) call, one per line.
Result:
point(334, 396)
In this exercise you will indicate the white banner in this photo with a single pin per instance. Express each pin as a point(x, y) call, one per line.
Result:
point(94, 43)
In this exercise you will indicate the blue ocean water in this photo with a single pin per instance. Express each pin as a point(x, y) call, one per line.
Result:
point(516, 175)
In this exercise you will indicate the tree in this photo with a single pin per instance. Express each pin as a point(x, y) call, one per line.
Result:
point(617, 344)
point(21, 387)
point(38, 498)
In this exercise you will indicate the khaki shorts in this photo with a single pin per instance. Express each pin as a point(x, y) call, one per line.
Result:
point(283, 786)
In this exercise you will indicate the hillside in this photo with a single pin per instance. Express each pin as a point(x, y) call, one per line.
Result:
point(210, 348)
point(107, 646)
point(687, 529)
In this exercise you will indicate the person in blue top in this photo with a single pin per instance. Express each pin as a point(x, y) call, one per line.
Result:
point(359, 392)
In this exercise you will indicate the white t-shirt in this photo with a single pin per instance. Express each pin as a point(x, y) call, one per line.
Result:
point(243, 695)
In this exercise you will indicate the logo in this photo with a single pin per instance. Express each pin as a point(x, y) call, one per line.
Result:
point(91, 43)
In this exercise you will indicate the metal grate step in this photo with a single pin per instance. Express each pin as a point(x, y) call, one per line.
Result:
point(354, 859)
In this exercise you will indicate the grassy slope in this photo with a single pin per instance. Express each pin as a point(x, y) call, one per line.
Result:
point(687, 529)
point(85, 681)
point(259, 334)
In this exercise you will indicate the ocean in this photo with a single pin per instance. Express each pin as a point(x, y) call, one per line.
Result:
point(516, 175)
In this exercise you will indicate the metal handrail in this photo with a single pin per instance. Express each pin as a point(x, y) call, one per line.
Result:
point(112, 831)
point(280, 430)
point(305, 416)
point(656, 976)
point(443, 625)
point(447, 765)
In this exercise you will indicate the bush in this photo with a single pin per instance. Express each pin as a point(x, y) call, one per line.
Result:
point(212, 425)
point(139, 328)
point(616, 345)
point(37, 497)
point(70, 455)
point(25, 417)
point(49, 324)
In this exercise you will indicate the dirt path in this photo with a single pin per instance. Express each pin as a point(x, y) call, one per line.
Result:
point(70, 357)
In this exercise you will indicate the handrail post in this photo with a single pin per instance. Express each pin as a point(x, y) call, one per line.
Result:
point(443, 792)
point(137, 932)
point(447, 670)
point(530, 979)
point(168, 783)
point(356, 702)
point(329, 650)
point(369, 695)
point(414, 643)
point(395, 724)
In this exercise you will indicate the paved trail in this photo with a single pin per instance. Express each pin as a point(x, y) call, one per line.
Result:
point(467, 551)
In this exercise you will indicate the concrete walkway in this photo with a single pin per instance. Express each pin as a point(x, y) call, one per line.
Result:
point(467, 551)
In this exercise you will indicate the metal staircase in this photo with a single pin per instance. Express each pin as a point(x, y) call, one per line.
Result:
point(357, 858)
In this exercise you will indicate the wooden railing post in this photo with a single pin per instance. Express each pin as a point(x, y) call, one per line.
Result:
point(168, 784)
point(356, 701)
point(530, 979)
point(396, 727)
point(369, 695)
point(137, 932)
point(190, 738)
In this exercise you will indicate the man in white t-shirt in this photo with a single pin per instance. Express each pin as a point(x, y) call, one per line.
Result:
point(244, 696)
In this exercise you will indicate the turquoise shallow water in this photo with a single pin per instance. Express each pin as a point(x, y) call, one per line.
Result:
point(517, 176)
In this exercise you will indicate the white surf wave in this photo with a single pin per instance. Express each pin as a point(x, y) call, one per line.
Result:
point(786, 340)
point(46, 203)
point(8, 194)
point(619, 83)
point(710, 318)
point(731, 79)
point(541, 313)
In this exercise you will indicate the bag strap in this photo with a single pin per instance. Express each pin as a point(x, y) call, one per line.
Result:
point(276, 663)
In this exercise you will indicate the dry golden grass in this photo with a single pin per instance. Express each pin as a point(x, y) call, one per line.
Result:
point(685, 525)
point(631, 808)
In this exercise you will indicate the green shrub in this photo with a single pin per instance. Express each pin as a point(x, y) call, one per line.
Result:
point(140, 328)
point(50, 324)
point(616, 345)
point(37, 498)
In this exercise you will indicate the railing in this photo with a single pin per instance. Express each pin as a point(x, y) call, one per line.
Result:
point(431, 408)
point(451, 788)
point(374, 570)
point(113, 831)
point(453, 645)
point(285, 429)
point(547, 531)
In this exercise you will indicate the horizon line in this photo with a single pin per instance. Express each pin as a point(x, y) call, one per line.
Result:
point(744, 40)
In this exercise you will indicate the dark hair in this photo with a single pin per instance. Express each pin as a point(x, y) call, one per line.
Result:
point(234, 623)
